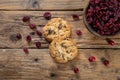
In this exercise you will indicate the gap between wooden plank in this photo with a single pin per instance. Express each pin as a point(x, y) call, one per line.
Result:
point(80, 9)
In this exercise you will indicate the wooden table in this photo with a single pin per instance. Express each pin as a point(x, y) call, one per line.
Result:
point(38, 64)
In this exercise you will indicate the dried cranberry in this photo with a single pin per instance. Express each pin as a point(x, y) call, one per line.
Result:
point(91, 59)
point(106, 62)
point(76, 70)
point(25, 50)
point(47, 15)
point(100, 32)
point(32, 26)
point(38, 33)
point(28, 38)
point(75, 17)
point(38, 44)
point(111, 42)
point(78, 32)
point(97, 1)
point(18, 36)
point(26, 19)
point(89, 20)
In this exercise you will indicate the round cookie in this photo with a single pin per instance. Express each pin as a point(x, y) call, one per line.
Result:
point(55, 28)
point(63, 50)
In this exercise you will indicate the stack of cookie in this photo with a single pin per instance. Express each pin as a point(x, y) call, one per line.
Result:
point(62, 48)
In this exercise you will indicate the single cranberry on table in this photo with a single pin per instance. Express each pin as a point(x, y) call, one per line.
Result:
point(18, 36)
point(47, 15)
point(91, 59)
point(106, 62)
point(111, 42)
point(75, 17)
point(28, 38)
point(25, 49)
point(32, 26)
point(38, 44)
point(38, 33)
point(76, 70)
point(78, 32)
point(26, 19)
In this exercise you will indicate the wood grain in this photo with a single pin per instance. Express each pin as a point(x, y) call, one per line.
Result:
point(42, 4)
point(16, 65)
point(11, 23)
point(38, 64)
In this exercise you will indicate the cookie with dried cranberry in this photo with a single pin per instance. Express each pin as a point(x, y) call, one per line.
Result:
point(63, 50)
point(56, 27)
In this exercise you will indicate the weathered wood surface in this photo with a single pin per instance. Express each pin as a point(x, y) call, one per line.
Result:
point(15, 65)
point(42, 4)
point(11, 23)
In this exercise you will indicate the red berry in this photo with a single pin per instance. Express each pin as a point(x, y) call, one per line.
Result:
point(106, 62)
point(100, 32)
point(78, 32)
point(32, 26)
point(76, 70)
point(38, 33)
point(97, 1)
point(91, 58)
point(28, 38)
point(111, 42)
point(47, 15)
point(26, 19)
point(75, 17)
point(25, 50)
point(18, 36)
point(38, 44)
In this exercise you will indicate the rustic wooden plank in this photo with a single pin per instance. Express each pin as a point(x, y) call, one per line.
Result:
point(11, 23)
point(42, 4)
point(16, 65)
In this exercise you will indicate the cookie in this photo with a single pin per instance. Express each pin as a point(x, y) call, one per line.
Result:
point(63, 50)
point(56, 27)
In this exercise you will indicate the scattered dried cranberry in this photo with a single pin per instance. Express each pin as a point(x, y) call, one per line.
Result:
point(28, 38)
point(38, 33)
point(47, 15)
point(25, 50)
point(75, 17)
point(78, 32)
point(76, 70)
point(91, 59)
point(32, 26)
point(26, 19)
point(38, 44)
point(18, 36)
point(106, 62)
point(111, 42)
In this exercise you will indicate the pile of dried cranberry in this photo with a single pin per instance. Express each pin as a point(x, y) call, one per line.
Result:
point(104, 16)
